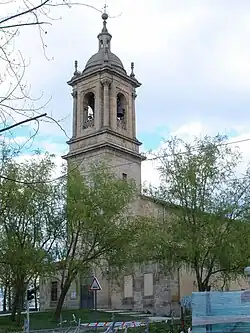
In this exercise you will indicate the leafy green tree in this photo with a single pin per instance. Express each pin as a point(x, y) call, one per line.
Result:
point(99, 224)
point(207, 223)
point(5, 279)
point(30, 221)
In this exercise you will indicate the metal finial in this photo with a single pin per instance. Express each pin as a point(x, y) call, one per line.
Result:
point(105, 7)
point(104, 14)
point(104, 28)
point(132, 70)
point(104, 17)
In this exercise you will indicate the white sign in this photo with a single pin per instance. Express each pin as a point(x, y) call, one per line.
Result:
point(95, 285)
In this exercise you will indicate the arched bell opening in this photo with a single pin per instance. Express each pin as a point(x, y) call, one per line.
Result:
point(121, 113)
point(101, 45)
point(89, 110)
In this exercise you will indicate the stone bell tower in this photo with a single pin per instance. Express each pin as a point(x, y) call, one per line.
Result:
point(104, 124)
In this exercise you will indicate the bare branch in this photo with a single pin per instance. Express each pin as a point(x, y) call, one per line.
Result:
point(32, 9)
point(23, 24)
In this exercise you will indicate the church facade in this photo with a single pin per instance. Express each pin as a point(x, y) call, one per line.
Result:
point(104, 129)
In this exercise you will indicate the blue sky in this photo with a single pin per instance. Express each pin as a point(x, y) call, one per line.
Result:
point(192, 58)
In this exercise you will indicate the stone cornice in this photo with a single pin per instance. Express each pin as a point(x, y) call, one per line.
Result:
point(74, 80)
point(102, 131)
point(98, 146)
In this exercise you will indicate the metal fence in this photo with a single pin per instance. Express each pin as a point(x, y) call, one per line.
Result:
point(105, 327)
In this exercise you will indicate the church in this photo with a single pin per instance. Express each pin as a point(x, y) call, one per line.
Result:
point(104, 129)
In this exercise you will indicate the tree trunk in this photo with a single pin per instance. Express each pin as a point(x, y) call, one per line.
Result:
point(18, 302)
point(20, 307)
point(14, 306)
point(5, 298)
point(17, 306)
point(202, 286)
point(62, 296)
point(9, 299)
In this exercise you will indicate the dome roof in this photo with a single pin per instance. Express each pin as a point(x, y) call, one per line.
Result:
point(102, 59)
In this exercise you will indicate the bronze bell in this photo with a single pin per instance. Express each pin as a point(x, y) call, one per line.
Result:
point(120, 112)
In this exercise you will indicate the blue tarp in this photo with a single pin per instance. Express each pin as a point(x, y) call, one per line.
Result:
point(221, 312)
point(186, 302)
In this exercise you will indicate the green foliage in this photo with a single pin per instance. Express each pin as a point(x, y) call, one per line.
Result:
point(96, 205)
point(31, 214)
point(209, 230)
point(162, 327)
point(100, 225)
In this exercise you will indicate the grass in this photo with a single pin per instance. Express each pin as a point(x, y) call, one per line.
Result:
point(46, 320)
point(43, 320)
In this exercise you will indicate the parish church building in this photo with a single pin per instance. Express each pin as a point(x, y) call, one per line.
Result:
point(104, 128)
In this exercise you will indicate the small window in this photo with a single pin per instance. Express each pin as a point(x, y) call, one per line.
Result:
point(53, 294)
point(73, 295)
point(124, 176)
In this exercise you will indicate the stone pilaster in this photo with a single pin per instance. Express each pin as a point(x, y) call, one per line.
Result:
point(129, 115)
point(106, 84)
point(74, 129)
point(133, 114)
point(113, 108)
point(97, 114)
point(79, 114)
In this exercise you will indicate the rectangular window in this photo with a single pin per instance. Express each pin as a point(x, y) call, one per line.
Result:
point(73, 295)
point(128, 286)
point(148, 284)
point(124, 176)
point(53, 294)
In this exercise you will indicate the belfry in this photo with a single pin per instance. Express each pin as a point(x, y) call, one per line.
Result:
point(104, 117)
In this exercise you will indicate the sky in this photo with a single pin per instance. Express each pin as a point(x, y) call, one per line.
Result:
point(192, 58)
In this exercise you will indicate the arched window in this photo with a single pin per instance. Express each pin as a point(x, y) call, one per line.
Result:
point(89, 110)
point(121, 110)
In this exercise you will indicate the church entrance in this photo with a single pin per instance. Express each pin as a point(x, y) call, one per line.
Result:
point(86, 298)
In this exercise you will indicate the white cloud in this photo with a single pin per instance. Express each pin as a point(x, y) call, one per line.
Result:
point(18, 140)
point(194, 47)
point(187, 132)
point(53, 148)
point(186, 43)
point(58, 170)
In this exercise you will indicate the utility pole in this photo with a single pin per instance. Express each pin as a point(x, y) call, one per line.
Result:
point(29, 296)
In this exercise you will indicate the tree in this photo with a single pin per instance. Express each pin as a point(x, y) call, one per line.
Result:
point(99, 224)
point(5, 278)
point(207, 226)
point(17, 17)
point(30, 221)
